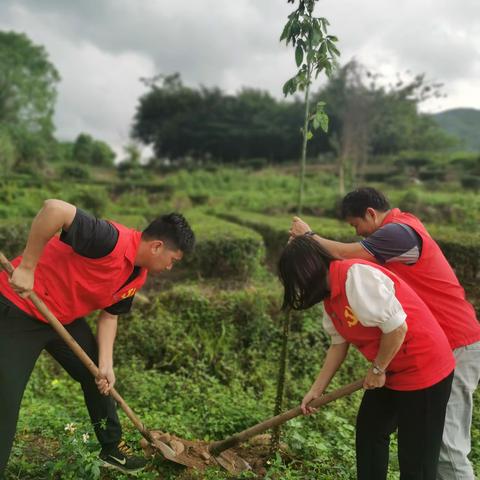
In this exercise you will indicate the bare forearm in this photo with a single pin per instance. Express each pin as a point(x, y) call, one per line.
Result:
point(343, 250)
point(335, 356)
point(54, 215)
point(390, 344)
point(337, 249)
point(106, 333)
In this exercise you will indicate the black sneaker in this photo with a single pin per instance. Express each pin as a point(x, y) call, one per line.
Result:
point(121, 458)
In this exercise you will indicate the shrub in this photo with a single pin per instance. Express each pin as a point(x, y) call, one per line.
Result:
point(433, 173)
point(398, 181)
point(141, 187)
point(223, 249)
point(461, 250)
point(92, 199)
point(199, 199)
point(133, 221)
point(410, 201)
point(192, 328)
point(77, 172)
point(470, 182)
point(13, 236)
point(378, 176)
point(274, 230)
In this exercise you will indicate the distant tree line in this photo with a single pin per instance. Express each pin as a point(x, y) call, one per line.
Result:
point(366, 118)
point(180, 121)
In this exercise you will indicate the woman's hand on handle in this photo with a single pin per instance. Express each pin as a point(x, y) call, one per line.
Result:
point(373, 380)
point(311, 395)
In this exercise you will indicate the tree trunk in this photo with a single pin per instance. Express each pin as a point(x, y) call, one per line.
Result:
point(282, 368)
point(303, 159)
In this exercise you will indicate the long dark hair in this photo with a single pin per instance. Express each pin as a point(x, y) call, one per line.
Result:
point(303, 271)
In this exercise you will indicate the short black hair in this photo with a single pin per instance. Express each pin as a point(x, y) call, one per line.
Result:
point(174, 230)
point(355, 203)
point(303, 270)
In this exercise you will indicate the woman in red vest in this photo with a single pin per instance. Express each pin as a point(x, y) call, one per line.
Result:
point(400, 242)
point(409, 380)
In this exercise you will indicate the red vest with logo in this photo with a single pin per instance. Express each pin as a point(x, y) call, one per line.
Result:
point(73, 286)
point(425, 357)
point(435, 282)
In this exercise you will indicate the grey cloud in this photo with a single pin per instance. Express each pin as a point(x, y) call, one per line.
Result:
point(102, 47)
point(199, 39)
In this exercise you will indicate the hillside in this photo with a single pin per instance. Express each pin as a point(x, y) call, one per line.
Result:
point(464, 123)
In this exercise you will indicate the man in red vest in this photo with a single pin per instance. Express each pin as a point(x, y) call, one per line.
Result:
point(92, 265)
point(400, 242)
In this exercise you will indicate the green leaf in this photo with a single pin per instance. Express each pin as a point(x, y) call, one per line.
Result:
point(325, 24)
point(324, 122)
point(311, 56)
point(290, 86)
point(316, 36)
point(285, 32)
point(328, 69)
point(309, 135)
point(319, 69)
point(332, 48)
point(299, 55)
point(295, 28)
point(321, 118)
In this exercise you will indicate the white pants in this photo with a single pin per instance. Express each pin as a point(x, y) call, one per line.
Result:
point(456, 442)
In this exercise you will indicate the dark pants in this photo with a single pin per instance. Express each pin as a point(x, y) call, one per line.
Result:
point(418, 415)
point(22, 338)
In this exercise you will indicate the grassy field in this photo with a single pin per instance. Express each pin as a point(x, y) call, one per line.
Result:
point(199, 356)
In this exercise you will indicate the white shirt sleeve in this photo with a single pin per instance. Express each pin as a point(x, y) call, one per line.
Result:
point(329, 327)
point(371, 295)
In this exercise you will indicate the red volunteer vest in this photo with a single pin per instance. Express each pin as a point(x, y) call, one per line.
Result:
point(73, 286)
point(425, 357)
point(435, 282)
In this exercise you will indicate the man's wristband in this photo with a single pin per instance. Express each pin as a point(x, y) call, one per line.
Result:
point(310, 233)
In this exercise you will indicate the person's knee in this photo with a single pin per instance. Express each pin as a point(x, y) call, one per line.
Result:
point(82, 375)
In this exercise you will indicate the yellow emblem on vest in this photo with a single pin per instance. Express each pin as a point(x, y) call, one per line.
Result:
point(128, 293)
point(352, 320)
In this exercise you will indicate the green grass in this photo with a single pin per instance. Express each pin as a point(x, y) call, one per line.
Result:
point(200, 359)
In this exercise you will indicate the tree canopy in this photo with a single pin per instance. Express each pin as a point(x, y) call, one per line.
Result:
point(181, 121)
point(28, 92)
point(366, 118)
point(27, 83)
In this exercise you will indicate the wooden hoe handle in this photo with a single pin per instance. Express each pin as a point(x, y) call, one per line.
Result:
point(218, 447)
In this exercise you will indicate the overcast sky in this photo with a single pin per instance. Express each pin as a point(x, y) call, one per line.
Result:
point(103, 47)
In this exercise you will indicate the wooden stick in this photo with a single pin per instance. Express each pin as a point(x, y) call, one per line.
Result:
point(89, 363)
point(217, 447)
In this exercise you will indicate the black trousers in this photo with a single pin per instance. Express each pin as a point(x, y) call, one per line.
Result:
point(418, 415)
point(22, 338)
